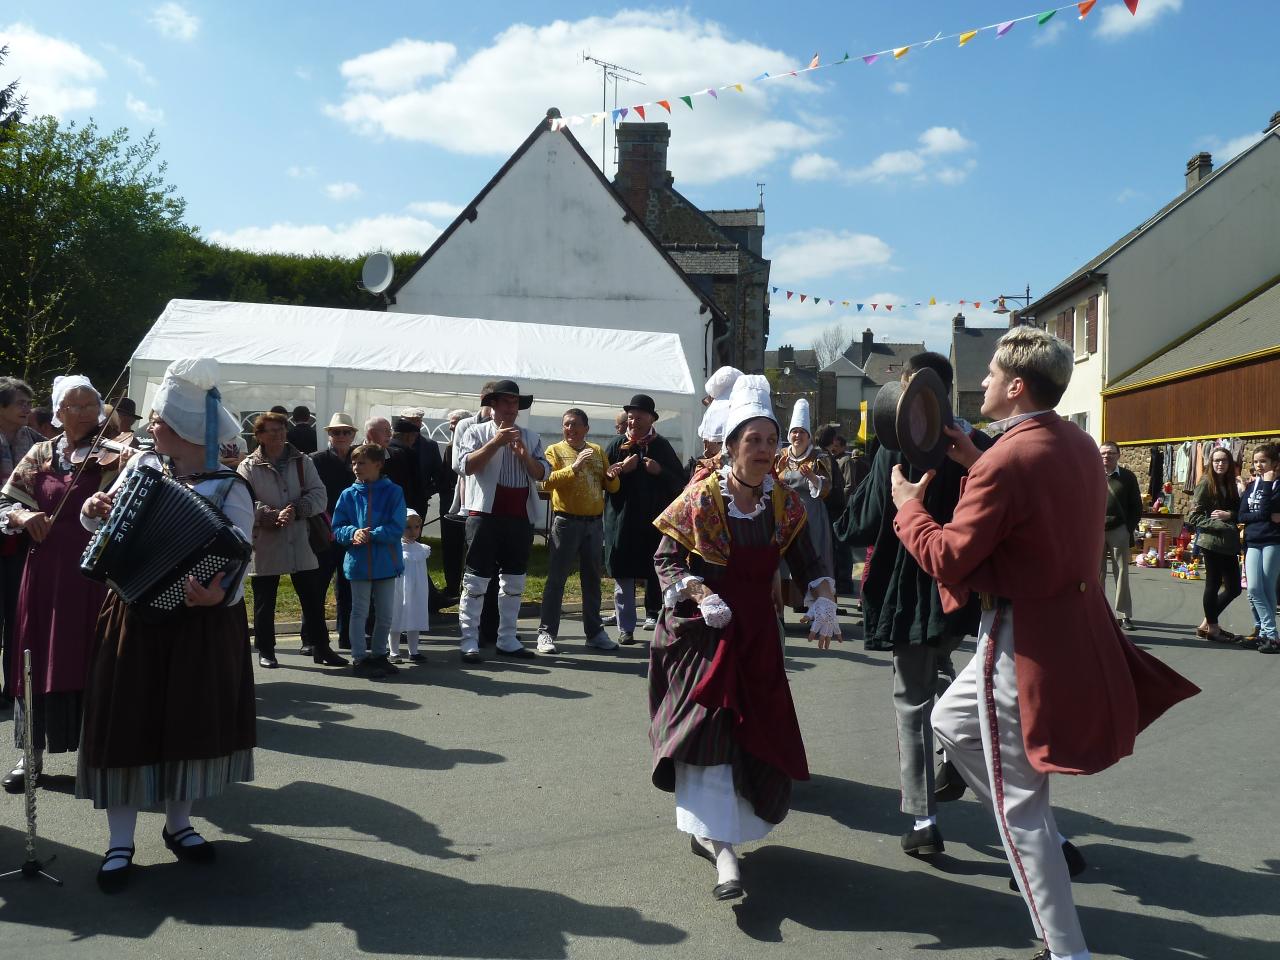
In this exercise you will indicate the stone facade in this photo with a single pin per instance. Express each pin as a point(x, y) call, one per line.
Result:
point(1138, 459)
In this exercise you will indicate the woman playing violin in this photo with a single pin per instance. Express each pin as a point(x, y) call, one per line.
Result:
point(57, 606)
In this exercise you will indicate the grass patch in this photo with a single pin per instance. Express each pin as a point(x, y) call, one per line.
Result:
point(288, 608)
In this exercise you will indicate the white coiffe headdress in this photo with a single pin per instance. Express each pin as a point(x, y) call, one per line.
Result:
point(719, 386)
point(750, 399)
point(188, 401)
point(800, 416)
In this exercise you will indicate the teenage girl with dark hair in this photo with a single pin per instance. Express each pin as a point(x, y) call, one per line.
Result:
point(1214, 509)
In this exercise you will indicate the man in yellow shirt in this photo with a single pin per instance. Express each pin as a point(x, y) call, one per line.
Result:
point(577, 484)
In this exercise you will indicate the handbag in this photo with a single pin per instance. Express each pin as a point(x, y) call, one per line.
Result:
point(319, 530)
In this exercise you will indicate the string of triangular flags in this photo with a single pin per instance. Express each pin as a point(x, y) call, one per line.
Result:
point(964, 37)
point(797, 297)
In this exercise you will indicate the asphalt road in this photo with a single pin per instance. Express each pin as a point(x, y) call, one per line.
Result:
point(505, 811)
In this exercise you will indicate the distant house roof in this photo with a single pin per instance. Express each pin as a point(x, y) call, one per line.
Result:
point(805, 359)
point(736, 218)
point(1251, 329)
point(971, 350)
point(842, 366)
point(886, 360)
point(712, 258)
point(1083, 273)
point(469, 214)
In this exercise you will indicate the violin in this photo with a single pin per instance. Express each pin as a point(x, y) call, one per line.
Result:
point(107, 452)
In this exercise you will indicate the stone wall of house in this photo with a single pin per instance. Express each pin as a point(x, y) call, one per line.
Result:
point(1138, 459)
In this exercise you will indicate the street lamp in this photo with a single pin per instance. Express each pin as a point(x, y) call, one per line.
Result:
point(1002, 309)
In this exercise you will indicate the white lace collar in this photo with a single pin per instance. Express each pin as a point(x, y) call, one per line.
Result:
point(767, 488)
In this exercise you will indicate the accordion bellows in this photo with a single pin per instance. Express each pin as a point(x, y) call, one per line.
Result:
point(160, 532)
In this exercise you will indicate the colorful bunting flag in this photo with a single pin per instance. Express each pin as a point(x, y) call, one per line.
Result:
point(813, 64)
point(665, 104)
point(763, 76)
point(901, 52)
point(597, 119)
point(774, 289)
point(871, 59)
point(619, 114)
point(802, 296)
point(961, 302)
point(874, 305)
point(639, 112)
point(966, 37)
point(860, 308)
point(790, 293)
point(887, 306)
point(1085, 7)
point(1132, 5)
point(933, 302)
point(1005, 27)
point(1045, 17)
point(738, 87)
point(688, 102)
point(831, 303)
point(844, 303)
point(711, 90)
point(844, 58)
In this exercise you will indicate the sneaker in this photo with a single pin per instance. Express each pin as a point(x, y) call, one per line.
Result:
point(369, 668)
point(626, 638)
point(602, 641)
point(396, 659)
point(610, 621)
point(546, 643)
point(650, 623)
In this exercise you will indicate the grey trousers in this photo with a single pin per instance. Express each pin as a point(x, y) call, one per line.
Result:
point(985, 744)
point(917, 683)
point(576, 543)
point(1115, 554)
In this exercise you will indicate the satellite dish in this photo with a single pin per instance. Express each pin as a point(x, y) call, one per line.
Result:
point(377, 273)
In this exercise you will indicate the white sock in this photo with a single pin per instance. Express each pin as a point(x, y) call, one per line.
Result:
point(177, 816)
point(726, 862)
point(121, 823)
point(413, 642)
point(923, 822)
point(1082, 955)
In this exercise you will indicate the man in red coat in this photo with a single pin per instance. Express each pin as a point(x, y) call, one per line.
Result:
point(1055, 686)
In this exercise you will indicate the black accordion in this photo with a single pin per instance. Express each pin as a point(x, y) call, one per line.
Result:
point(160, 532)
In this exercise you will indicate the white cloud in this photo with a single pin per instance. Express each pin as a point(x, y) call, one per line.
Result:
point(474, 108)
point(899, 87)
point(299, 173)
point(810, 254)
point(345, 190)
point(132, 62)
point(922, 164)
point(1117, 22)
point(399, 67)
point(174, 21)
point(142, 110)
point(55, 75)
point(1128, 194)
point(1050, 33)
point(302, 73)
point(1224, 150)
point(398, 234)
point(435, 209)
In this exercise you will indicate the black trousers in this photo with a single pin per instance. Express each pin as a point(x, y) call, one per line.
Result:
point(10, 580)
point(305, 584)
point(453, 548)
point(1221, 583)
point(330, 571)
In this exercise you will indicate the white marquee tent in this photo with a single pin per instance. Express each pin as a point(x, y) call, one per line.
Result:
point(368, 363)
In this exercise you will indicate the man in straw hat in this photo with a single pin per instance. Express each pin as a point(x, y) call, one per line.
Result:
point(1055, 686)
point(501, 462)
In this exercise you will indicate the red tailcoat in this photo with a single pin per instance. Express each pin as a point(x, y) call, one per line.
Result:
point(1029, 529)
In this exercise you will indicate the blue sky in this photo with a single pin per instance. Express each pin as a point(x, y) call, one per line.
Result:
point(953, 173)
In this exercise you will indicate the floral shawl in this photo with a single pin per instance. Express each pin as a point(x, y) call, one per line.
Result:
point(21, 485)
point(698, 520)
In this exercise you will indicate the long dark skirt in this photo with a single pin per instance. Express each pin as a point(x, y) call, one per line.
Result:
point(54, 722)
point(169, 711)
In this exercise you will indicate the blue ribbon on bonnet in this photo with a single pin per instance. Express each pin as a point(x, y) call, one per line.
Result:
point(211, 411)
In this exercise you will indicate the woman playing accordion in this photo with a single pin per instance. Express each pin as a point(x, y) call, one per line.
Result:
point(169, 710)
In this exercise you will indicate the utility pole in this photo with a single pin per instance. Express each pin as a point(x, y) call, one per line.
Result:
point(615, 72)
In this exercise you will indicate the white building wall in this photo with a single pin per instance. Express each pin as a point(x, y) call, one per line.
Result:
point(1082, 401)
point(550, 245)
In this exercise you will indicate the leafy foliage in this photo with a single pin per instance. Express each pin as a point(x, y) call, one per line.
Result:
point(12, 106)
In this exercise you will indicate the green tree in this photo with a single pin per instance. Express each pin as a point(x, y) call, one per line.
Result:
point(12, 106)
point(93, 247)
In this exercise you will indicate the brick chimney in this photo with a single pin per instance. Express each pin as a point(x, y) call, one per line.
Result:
point(642, 162)
point(867, 339)
point(957, 322)
point(786, 356)
point(1275, 122)
point(1198, 168)
point(1015, 319)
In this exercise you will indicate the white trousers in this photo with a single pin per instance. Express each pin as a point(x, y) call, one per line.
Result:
point(977, 722)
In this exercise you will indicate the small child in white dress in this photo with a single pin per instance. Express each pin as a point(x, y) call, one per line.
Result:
point(410, 613)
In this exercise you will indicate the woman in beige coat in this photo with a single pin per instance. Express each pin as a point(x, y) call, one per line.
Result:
point(286, 490)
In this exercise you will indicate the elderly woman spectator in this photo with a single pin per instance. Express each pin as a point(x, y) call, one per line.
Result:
point(169, 709)
point(16, 438)
point(286, 490)
point(57, 606)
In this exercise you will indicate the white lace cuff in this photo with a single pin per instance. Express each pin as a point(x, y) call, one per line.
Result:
point(815, 487)
point(715, 612)
point(810, 595)
point(678, 591)
point(823, 619)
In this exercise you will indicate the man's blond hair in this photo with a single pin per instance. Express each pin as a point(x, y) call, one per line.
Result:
point(1042, 361)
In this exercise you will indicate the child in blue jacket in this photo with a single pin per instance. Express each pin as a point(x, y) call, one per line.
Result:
point(368, 520)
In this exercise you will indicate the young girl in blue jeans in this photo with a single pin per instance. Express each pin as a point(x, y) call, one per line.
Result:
point(369, 519)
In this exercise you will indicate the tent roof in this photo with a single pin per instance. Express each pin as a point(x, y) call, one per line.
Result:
point(258, 335)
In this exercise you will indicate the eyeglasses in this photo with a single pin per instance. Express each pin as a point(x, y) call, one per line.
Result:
point(76, 409)
point(342, 433)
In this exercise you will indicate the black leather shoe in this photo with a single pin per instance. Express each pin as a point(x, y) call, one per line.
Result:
point(700, 851)
point(15, 781)
point(924, 842)
point(1076, 864)
point(471, 656)
point(729, 890)
point(202, 852)
point(328, 658)
point(387, 667)
point(524, 653)
point(113, 881)
point(267, 661)
point(876, 645)
point(948, 785)
point(307, 650)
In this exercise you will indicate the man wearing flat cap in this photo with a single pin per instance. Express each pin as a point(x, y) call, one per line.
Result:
point(651, 475)
point(501, 463)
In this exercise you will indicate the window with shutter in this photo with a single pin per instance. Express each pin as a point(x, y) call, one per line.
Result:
point(1060, 325)
point(1091, 325)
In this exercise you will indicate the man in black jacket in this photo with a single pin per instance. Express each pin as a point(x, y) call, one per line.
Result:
point(333, 463)
point(1124, 510)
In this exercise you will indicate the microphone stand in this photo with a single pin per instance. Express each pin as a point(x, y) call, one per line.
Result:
point(31, 867)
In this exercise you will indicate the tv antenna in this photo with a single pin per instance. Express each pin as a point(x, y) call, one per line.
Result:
point(615, 72)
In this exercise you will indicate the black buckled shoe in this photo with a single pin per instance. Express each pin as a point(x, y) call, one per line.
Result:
point(202, 852)
point(113, 881)
point(925, 842)
point(729, 890)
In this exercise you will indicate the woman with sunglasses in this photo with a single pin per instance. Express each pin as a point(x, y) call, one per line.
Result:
point(57, 605)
